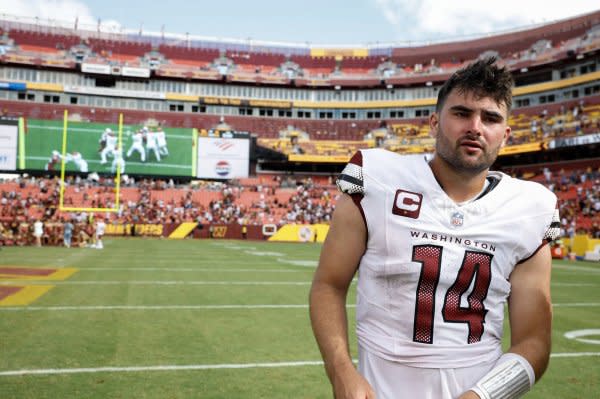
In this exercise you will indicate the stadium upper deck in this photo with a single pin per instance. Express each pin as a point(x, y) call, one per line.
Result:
point(341, 95)
point(188, 57)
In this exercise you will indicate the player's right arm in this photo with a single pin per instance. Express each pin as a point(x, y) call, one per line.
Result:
point(340, 256)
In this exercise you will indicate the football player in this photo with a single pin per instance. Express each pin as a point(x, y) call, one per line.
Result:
point(99, 233)
point(161, 141)
point(440, 245)
point(118, 161)
point(53, 162)
point(151, 144)
point(78, 160)
point(137, 145)
point(110, 141)
point(102, 141)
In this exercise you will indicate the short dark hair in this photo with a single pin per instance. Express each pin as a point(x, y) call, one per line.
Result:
point(483, 78)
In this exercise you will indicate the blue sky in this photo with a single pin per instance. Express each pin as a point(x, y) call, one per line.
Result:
point(318, 22)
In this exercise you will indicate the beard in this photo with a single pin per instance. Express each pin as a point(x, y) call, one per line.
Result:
point(458, 158)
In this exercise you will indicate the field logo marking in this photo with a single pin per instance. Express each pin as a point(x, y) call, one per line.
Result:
point(37, 274)
point(21, 295)
point(577, 334)
point(13, 294)
point(278, 255)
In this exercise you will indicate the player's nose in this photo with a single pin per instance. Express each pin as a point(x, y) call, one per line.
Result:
point(475, 125)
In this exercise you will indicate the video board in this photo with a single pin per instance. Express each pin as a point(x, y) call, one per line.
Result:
point(95, 147)
point(9, 132)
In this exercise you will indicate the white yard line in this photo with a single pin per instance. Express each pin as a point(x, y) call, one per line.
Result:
point(161, 282)
point(189, 367)
point(97, 131)
point(303, 263)
point(576, 304)
point(574, 354)
point(107, 166)
point(574, 285)
point(199, 307)
point(190, 269)
point(577, 268)
point(152, 307)
point(161, 368)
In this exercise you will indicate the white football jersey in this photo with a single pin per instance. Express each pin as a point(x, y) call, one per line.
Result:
point(150, 140)
point(434, 278)
point(137, 138)
point(111, 141)
point(100, 228)
point(161, 139)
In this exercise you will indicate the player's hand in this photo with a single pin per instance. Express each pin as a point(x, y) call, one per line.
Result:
point(469, 395)
point(349, 384)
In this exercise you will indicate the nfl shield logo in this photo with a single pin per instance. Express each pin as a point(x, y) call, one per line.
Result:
point(457, 219)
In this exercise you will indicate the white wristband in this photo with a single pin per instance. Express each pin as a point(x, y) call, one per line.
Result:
point(511, 377)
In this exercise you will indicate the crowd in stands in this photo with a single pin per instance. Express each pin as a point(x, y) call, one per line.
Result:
point(276, 201)
point(579, 199)
point(564, 120)
point(529, 125)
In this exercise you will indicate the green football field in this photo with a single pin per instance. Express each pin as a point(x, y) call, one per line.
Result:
point(151, 318)
point(45, 136)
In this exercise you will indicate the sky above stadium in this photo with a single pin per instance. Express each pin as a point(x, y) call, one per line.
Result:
point(316, 22)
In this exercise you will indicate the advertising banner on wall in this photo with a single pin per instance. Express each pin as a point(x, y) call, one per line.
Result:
point(223, 158)
point(8, 145)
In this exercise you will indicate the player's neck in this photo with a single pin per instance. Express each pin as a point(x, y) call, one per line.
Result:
point(460, 187)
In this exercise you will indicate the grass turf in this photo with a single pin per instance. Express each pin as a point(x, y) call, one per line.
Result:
point(160, 305)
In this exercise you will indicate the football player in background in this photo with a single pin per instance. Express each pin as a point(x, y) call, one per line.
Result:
point(440, 246)
point(137, 144)
point(53, 162)
point(68, 228)
point(75, 157)
point(102, 141)
point(78, 160)
point(38, 232)
point(110, 142)
point(151, 144)
point(118, 161)
point(99, 233)
point(161, 141)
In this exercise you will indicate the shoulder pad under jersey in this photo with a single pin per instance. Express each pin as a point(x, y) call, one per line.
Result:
point(350, 180)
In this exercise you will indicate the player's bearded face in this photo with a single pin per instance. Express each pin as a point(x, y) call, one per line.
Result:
point(469, 131)
point(458, 155)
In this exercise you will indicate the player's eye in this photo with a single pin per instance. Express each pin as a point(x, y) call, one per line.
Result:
point(492, 118)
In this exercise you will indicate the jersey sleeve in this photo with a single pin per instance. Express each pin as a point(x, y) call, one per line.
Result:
point(351, 180)
point(553, 232)
point(550, 229)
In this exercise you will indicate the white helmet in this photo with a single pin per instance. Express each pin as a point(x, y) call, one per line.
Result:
point(108, 130)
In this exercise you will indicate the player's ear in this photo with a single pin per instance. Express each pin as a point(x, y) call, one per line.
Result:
point(507, 133)
point(434, 123)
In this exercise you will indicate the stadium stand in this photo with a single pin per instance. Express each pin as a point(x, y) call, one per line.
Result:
point(307, 110)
